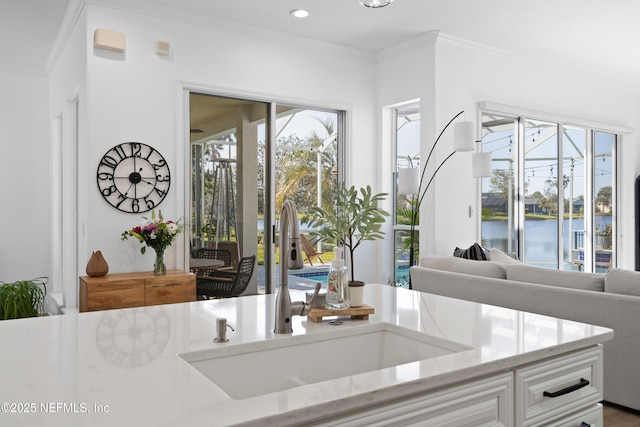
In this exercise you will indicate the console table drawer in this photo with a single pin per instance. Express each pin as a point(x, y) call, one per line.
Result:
point(168, 290)
point(111, 293)
point(558, 386)
point(136, 290)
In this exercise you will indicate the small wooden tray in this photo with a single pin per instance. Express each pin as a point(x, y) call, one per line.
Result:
point(316, 314)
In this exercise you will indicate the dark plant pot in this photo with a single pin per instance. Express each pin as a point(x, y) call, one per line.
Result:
point(356, 292)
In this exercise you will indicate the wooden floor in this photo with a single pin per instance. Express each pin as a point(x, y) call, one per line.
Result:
point(614, 416)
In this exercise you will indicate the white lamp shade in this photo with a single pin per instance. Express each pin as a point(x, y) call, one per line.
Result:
point(482, 165)
point(408, 180)
point(463, 136)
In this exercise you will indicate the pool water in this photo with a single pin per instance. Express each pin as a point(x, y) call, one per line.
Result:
point(315, 277)
point(402, 274)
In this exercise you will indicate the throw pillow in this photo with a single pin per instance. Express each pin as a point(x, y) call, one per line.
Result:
point(553, 277)
point(464, 266)
point(497, 255)
point(473, 252)
point(619, 281)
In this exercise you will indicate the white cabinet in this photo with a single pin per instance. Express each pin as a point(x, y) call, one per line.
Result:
point(482, 403)
point(561, 391)
point(591, 417)
point(559, 386)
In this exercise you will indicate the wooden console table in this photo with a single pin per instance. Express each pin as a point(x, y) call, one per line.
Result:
point(136, 290)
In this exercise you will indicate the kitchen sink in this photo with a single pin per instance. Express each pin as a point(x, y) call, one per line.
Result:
point(252, 369)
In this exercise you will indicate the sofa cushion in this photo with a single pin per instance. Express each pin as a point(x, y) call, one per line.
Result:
point(619, 281)
point(474, 252)
point(497, 255)
point(465, 266)
point(553, 277)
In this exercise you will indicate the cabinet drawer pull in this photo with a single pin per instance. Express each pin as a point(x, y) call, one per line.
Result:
point(585, 424)
point(582, 383)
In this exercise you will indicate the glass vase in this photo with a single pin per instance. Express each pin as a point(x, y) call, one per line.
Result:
point(159, 268)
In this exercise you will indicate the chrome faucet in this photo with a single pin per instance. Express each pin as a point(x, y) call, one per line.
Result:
point(290, 258)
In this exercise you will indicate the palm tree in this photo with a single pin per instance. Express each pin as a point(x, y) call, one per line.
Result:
point(406, 209)
point(297, 164)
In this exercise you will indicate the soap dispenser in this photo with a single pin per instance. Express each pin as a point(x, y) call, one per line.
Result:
point(338, 284)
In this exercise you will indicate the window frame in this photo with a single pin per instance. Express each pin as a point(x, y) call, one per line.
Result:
point(591, 127)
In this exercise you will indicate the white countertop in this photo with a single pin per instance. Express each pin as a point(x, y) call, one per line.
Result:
point(121, 367)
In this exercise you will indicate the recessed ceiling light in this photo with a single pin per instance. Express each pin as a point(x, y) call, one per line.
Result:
point(375, 3)
point(299, 13)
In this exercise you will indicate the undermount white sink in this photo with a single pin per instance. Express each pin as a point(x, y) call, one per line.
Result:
point(253, 369)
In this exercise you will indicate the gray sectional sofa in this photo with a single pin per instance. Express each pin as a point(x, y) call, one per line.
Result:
point(611, 300)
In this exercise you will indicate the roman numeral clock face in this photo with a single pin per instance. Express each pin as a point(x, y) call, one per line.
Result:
point(133, 177)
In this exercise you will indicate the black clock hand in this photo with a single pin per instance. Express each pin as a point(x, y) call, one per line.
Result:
point(147, 179)
point(126, 193)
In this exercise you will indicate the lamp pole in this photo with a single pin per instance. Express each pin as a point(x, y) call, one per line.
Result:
point(461, 143)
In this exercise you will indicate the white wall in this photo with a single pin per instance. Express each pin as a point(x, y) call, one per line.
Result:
point(466, 74)
point(405, 73)
point(68, 106)
point(136, 96)
point(24, 177)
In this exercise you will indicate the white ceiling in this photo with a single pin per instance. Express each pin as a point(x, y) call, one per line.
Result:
point(596, 36)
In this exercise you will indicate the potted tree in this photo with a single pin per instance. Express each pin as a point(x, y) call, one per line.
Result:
point(24, 298)
point(604, 236)
point(357, 218)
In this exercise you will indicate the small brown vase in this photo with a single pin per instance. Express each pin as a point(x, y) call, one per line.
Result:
point(97, 266)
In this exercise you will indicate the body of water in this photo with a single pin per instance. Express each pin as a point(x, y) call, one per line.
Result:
point(541, 246)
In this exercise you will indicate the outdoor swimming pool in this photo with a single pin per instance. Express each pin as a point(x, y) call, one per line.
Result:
point(402, 273)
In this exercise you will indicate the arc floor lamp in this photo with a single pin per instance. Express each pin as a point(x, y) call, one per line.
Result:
point(411, 180)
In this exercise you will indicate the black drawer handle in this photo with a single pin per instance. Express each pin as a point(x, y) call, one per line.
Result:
point(582, 383)
point(585, 424)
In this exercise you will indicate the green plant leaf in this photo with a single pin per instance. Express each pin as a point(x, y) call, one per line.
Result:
point(357, 218)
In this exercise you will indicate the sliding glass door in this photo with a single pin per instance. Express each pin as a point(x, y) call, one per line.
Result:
point(247, 157)
point(227, 136)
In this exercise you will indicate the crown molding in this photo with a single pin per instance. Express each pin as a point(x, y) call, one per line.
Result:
point(8, 68)
point(178, 15)
point(71, 15)
point(421, 41)
point(484, 49)
point(435, 37)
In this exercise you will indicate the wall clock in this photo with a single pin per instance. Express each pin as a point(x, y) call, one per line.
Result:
point(133, 177)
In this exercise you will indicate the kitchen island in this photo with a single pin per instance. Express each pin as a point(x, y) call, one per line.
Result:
point(129, 366)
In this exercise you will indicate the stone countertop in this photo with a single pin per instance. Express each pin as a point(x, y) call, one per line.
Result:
point(122, 367)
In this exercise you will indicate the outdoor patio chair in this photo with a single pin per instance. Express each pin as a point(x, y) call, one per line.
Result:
point(226, 283)
point(309, 251)
point(232, 247)
point(219, 254)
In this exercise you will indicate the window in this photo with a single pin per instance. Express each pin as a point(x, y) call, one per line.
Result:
point(551, 198)
point(407, 154)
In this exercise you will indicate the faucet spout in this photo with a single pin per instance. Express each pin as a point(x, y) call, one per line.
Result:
point(290, 258)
